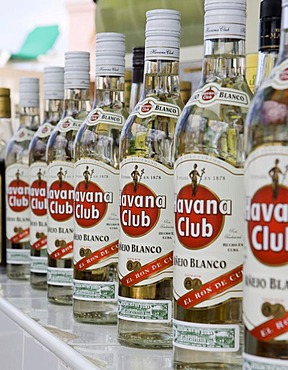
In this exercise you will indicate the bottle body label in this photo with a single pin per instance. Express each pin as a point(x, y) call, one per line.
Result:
point(266, 254)
point(60, 180)
point(96, 231)
point(38, 214)
point(17, 200)
point(209, 232)
point(17, 212)
point(60, 189)
point(213, 94)
point(146, 222)
point(146, 233)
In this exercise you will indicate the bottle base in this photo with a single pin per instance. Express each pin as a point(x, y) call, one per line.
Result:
point(145, 340)
point(205, 365)
point(184, 359)
point(59, 295)
point(155, 336)
point(95, 318)
point(95, 312)
point(38, 281)
point(18, 272)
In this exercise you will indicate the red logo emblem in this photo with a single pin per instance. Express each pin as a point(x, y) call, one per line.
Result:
point(61, 200)
point(146, 107)
point(94, 116)
point(284, 75)
point(38, 197)
point(199, 218)
point(267, 225)
point(139, 210)
point(208, 95)
point(90, 204)
point(66, 124)
point(18, 195)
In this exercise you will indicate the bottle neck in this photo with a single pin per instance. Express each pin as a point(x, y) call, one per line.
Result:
point(53, 110)
point(224, 59)
point(109, 91)
point(29, 118)
point(161, 78)
point(137, 75)
point(76, 101)
point(266, 61)
point(283, 51)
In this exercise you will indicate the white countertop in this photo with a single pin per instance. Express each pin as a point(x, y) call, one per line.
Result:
point(80, 346)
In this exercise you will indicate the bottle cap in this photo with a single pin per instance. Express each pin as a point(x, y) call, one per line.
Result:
point(77, 70)
point(225, 19)
point(270, 23)
point(110, 54)
point(162, 34)
point(29, 92)
point(5, 104)
point(270, 8)
point(53, 83)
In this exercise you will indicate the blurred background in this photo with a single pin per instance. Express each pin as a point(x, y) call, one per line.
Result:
point(36, 33)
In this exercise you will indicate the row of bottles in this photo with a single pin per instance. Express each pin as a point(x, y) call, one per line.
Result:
point(144, 212)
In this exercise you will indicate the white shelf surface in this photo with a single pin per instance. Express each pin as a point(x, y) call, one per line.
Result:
point(35, 334)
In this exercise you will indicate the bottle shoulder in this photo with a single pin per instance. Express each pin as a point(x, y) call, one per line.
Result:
point(212, 122)
point(266, 122)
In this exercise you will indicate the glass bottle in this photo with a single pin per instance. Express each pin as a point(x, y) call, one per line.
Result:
point(265, 302)
point(251, 70)
point(17, 181)
point(137, 77)
point(146, 197)
point(96, 227)
point(53, 109)
point(209, 199)
point(5, 135)
point(60, 177)
point(269, 39)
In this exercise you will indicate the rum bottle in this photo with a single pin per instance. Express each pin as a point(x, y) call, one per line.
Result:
point(96, 226)
point(53, 109)
point(146, 196)
point(265, 302)
point(5, 135)
point(17, 181)
point(60, 177)
point(269, 39)
point(209, 199)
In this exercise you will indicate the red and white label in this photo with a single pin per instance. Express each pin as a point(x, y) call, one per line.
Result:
point(60, 191)
point(279, 76)
point(146, 222)
point(213, 94)
point(266, 255)
point(38, 205)
point(209, 232)
point(17, 201)
point(151, 106)
point(96, 214)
